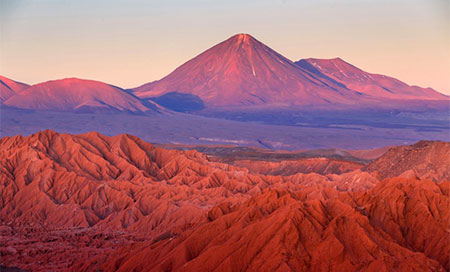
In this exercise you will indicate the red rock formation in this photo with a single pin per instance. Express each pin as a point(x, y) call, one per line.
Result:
point(40, 248)
point(425, 160)
point(65, 197)
point(400, 225)
point(115, 182)
point(118, 181)
point(323, 166)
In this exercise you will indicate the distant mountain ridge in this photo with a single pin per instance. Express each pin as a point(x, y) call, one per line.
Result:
point(79, 95)
point(371, 84)
point(240, 72)
point(9, 87)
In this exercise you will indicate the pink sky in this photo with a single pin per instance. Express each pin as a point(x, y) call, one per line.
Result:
point(128, 43)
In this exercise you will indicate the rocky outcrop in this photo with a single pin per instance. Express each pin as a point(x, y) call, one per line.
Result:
point(425, 160)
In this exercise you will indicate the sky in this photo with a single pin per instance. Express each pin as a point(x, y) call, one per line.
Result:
point(131, 42)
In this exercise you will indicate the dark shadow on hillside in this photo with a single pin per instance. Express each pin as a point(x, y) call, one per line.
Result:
point(180, 102)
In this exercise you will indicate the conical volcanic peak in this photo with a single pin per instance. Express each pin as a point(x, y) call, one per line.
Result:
point(73, 94)
point(241, 38)
point(242, 71)
point(371, 84)
point(9, 87)
point(243, 42)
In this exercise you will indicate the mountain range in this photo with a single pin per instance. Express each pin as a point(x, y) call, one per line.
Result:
point(240, 72)
point(261, 98)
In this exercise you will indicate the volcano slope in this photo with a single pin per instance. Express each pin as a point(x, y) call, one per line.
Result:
point(88, 202)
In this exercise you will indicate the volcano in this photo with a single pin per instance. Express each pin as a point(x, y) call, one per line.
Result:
point(79, 95)
point(9, 87)
point(242, 71)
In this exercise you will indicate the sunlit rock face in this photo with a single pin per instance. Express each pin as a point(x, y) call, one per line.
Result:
point(88, 202)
